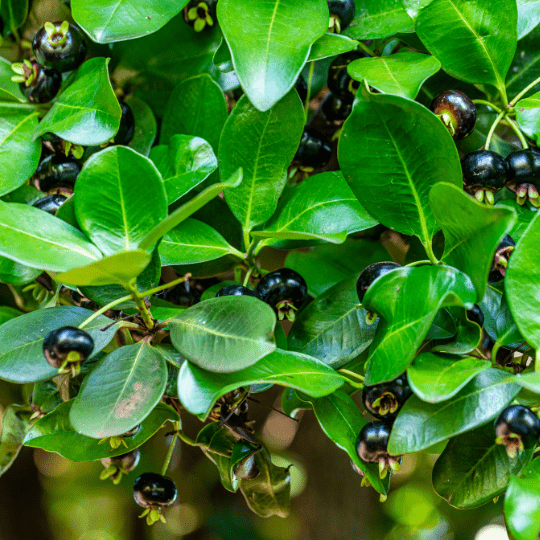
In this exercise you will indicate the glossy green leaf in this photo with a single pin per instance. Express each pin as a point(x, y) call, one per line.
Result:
point(19, 154)
point(21, 341)
point(473, 469)
point(408, 299)
point(119, 268)
point(435, 378)
point(332, 328)
point(525, 67)
point(291, 403)
point(15, 422)
point(331, 45)
point(528, 16)
point(522, 284)
point(67, 213)
point(15, 273)
point(13, 13)
point(120, 199)
point(522, 503)
point(196, 107)
point(86, 112)
point(269, 53)
point(120, 392)
point(472, 231)
point(145, 125)
point(400, 74)
point(225, 334)
point(420, 425)
point(9, 90)
point(326, 265)
point(183, 164)
point(264, 146)
point(107, 21)
point(199, 389)
point(474, 42)
point(341, 420)
point(193, 242)
point(379, 19)
point(466, 337)
point(321, 206)
point(222, 58)
point(378, 153)
point(7, 313)
point(182, 213)
point(54, 245)
point(528, 115)
point(54, 433)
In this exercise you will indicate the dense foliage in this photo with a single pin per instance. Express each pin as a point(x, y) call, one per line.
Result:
point(151, 153)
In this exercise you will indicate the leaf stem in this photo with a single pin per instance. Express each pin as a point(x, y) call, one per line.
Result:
point(351, 374)
point(501, 115)
point(523, 92)
point(366, 49)
point(186, 439)
point(141, 306)
point(429, 252)
point(487, 104)
point(308, 95)
point(171, 449)
point(24, 106)
point(515, 128)
point(102, 310)
point(419, 263)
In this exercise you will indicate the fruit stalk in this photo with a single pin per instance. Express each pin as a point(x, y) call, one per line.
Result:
point(172, 446)
point(141, 306)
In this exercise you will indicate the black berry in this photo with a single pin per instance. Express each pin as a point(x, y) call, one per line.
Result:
point(340, 83)
point(67, 345)
point(336, 109)
point(484, 173)
point(301, 88)
point(386, 399)
point(517, 428)
point(50, 203)
point(457, 112)
point(56, 170)
point(372, 446)
point(499, 264)
point(154, 492)
point(285, 290)
point(201, 14)
point(183, 294)
point(524, 175)
point(314, 151)
point(38, 84)
point(127, 125)
point(59, 45)
point(237, 290)
point(476, 315)
point(341, 14)
point(370, 273)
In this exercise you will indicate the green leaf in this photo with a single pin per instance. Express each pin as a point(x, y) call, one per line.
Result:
point(195, 107)
point(522, 503)
point(86, 111)
point(269, 52)
point(264, 146)
point(408, 299)
point(15, 423)
point(435, 378)
point(54, 245)
point(54, 433)
point(466, 337)
point(326, 265)
point(331, 45)
point(341, 420)
point(472, 231)
point(522, 284)
point(107, 21)
point(474, 42)
point(119, 199)
point(193, 242)
point(119, 268)
point(528, 116)
point(419, 425)
point(379, 19)
point(473, 469)
point(16, 274)
point(528, 16)
point(9, 90)
point(400, 74)
point(7, 313)
point(222, 58)
point(525, 66)
point(184, 211)
point(379, 158)
point(332, 328)
point(225, 334)
point(198, 389)
point(183, 164)
point(21, 341)
point(19, 154)
point(120, 392)
point(311, 210)
point(13, 13)
point(145, 125)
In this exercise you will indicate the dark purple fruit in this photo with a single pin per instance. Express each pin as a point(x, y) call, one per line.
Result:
point(183, 294)
point(342, 13)
point(152, 490)
point(301, 88)
point(38, 84)
point(55, 171)
point(340, 83)
point(236, 290)
point(335, 109)
point(285, 290)
point(127, 125)
point(59, 45)
point(201, 14)
point(524, 175)
point(484, 173)
point(499, 264)
point(314, 151)
point(476, 315)
point(385, 400)
point(50, 203)
point(67, 345)
point(372, 446)
point(370, 273)
point(517, 428)
point(457, 112)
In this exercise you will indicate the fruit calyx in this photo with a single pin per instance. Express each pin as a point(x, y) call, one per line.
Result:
point(372, 447)
point(518, 429)
point(484, 173)
point(385, 400)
